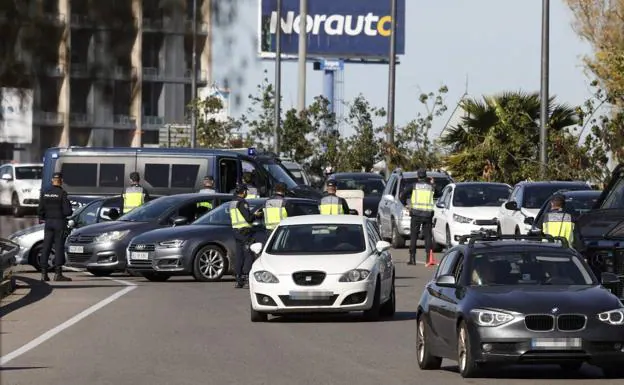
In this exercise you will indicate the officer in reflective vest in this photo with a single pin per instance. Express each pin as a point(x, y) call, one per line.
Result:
point(252, 191)
point(275, 208)
point(557, 222)
point(241, 224)
point(134, 195)
point(208, 189)
point(332, 204)
point(421, 212)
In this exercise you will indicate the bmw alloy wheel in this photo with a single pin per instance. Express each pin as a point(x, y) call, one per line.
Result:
point(421, 341)
point(211, 263)
point(462, 359)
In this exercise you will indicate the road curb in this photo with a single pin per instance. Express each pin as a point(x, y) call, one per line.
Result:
point(7, 286)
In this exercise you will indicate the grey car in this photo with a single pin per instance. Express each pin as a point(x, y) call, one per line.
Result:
point(101, 248)
point(205, 249)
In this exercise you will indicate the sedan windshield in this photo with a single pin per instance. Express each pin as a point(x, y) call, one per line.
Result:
point(318, 239)
point(25, 172)
point(494, 268)
point(151, 210)
point(480, 195)
point(370, 186)
point(534, 196)
point(439, 184)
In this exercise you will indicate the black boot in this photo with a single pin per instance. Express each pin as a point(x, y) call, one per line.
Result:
point(412, 260)
point(246, 281)
point(44, 276)
point(239, 282)
point(59, 277)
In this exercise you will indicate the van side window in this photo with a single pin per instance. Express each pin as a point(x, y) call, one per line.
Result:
point(157, 175)
point(112, 175)
point(228, 175)
point(184, 175)
point(80, 174)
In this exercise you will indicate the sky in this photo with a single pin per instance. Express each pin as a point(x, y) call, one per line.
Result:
point(489, 45)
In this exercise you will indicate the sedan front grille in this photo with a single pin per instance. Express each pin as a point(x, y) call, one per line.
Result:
point(571, 322)
point(308, 278)
point(308, 302)
point(141, 247)
point(77, 258)
point(81, 239)
point(485, 222)
point(539, 322)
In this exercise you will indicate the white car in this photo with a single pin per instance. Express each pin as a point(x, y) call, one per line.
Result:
point(466, 207)
point(323, 263)
point(20, 184)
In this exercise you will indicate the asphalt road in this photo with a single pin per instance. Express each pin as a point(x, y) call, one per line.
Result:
point(9, 225)
point(184, 332)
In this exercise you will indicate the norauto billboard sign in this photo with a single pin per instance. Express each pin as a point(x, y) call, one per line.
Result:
point(335, 28)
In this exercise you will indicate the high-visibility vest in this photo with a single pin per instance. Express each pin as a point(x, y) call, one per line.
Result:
point(252, 193)
point(237, 218)
point(133, 197)
point(422, 197)
point(206, 204)
point(331, 205)
point(274, 212)
point(558, 224)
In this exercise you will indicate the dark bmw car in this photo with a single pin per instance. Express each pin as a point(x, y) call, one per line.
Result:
point(577, 202)
point(516, 301)
point(101, 248)
point(370, 183)
point(205, 249)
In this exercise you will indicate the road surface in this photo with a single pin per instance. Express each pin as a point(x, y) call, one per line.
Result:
point(187, 333)
point(9, 225)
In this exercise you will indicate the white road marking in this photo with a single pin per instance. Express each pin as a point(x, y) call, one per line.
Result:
point(70, 322)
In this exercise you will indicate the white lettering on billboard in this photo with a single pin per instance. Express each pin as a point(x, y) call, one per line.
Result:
point(16, 116)
point(334, 25)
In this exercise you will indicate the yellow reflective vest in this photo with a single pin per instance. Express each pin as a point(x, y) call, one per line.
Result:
point(331, 205)
point(274, 212)
point(252, 193)
point(422, 197)
point(558, 224)
point(133, 197)
point(237, 218)
point(206, 204)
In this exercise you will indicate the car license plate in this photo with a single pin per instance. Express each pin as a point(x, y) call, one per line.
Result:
point(556, 343)
point(310, 295)
point(76, 249)
point(139, 255)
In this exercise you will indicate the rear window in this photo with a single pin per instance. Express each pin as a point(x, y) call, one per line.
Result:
point(535, 196)
point(615, 198)
point(440, 184)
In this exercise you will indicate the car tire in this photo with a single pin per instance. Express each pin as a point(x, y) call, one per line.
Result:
point(397, 241)
point(35, 256)
point(16, 208)
point(374, 313)
point(213, 261)
point(571, 366)
point(468, 368)
point(517, 232)
point(156, 276)
point(388, 309)
point(426, 361)
point(100, 273)
point(257, 316)
point(499, 232)
point(612, 372)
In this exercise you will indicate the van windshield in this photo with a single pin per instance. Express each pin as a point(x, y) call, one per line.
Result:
point(280, 173)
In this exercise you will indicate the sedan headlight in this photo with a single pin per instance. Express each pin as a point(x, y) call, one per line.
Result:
point(612, 317)
point(368, 212)
point(461, 219)
point(172, 244)
point(264, 276)
point(483, 317)
point(111, 236)
point(355, 275)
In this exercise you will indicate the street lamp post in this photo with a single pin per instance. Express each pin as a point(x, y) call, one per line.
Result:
point(278, 77)
point(391, 84)
point(544, 97)
point(194, 78)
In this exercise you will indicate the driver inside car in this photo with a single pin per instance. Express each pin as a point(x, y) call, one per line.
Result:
point(483, 272)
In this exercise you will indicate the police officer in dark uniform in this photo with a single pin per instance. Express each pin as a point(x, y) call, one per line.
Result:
point(135, 194)
point(54, 208)
point(243, 234)
point(421, 212)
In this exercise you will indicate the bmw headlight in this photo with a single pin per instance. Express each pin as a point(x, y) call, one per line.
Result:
point(172, 244)
point(483, 317)
point(461, 219)
point(612, 317)
point(264, 276)
point(111, 236)
point(355, 275)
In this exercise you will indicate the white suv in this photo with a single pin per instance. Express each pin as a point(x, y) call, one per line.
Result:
point(20, 186)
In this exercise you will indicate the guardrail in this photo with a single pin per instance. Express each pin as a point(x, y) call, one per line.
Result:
point(8, 251)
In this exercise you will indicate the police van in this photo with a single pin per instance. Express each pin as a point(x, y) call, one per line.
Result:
point(90, 172)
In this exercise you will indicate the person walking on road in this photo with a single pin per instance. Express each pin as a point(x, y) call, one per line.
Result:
point(135, 194)
point(241, 224)
point(331, 204)
point(54, 208)
point(275, 209)
point(421, 213)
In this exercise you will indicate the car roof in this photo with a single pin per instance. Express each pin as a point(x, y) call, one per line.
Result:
point(552, 182)
point(500, 245)
point(459, 184)
point(578, 193)
point(435, 174)
point(325, 219)
point(22, 164)
point(356, 175)
point(195, 195)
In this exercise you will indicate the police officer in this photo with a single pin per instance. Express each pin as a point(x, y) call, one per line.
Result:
point(241, 223)
point(275, 208)
point(331, 204)
point(252, 191)
point(134, 195)
point(54, 208)
point(557, 222)
point(421, 212)
point(208, 189)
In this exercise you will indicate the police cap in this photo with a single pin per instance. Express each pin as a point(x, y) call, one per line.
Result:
point(331, 183)
point(134, 176)
point(422, 173)
point(241, 188)
point(57, 175)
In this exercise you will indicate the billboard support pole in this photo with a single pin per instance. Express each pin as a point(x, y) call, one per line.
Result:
point(328, 86)
point(391, 85)
point(303, 53)
point(194, 78)
point(278, 78)
point(544, 86)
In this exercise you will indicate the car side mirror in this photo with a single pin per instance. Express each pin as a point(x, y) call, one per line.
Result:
point(440, 205)
point(71, 224)
point(529, 220)
point(113, 214)
point(353, 212)
point(389, 197)
point(609, 279)
point(179, 221)
point(382, 246)
point(256, 248)
point(446, 281)
point(7, 177)
point(511, 205)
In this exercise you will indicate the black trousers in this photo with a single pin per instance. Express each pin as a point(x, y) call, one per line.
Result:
point(54, 232)
point(415, 227)
point(243, 238)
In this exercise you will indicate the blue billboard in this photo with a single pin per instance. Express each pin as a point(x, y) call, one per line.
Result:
point(336, 28)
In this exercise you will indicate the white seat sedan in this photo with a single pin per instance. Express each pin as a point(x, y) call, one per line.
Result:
point(323, 263)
